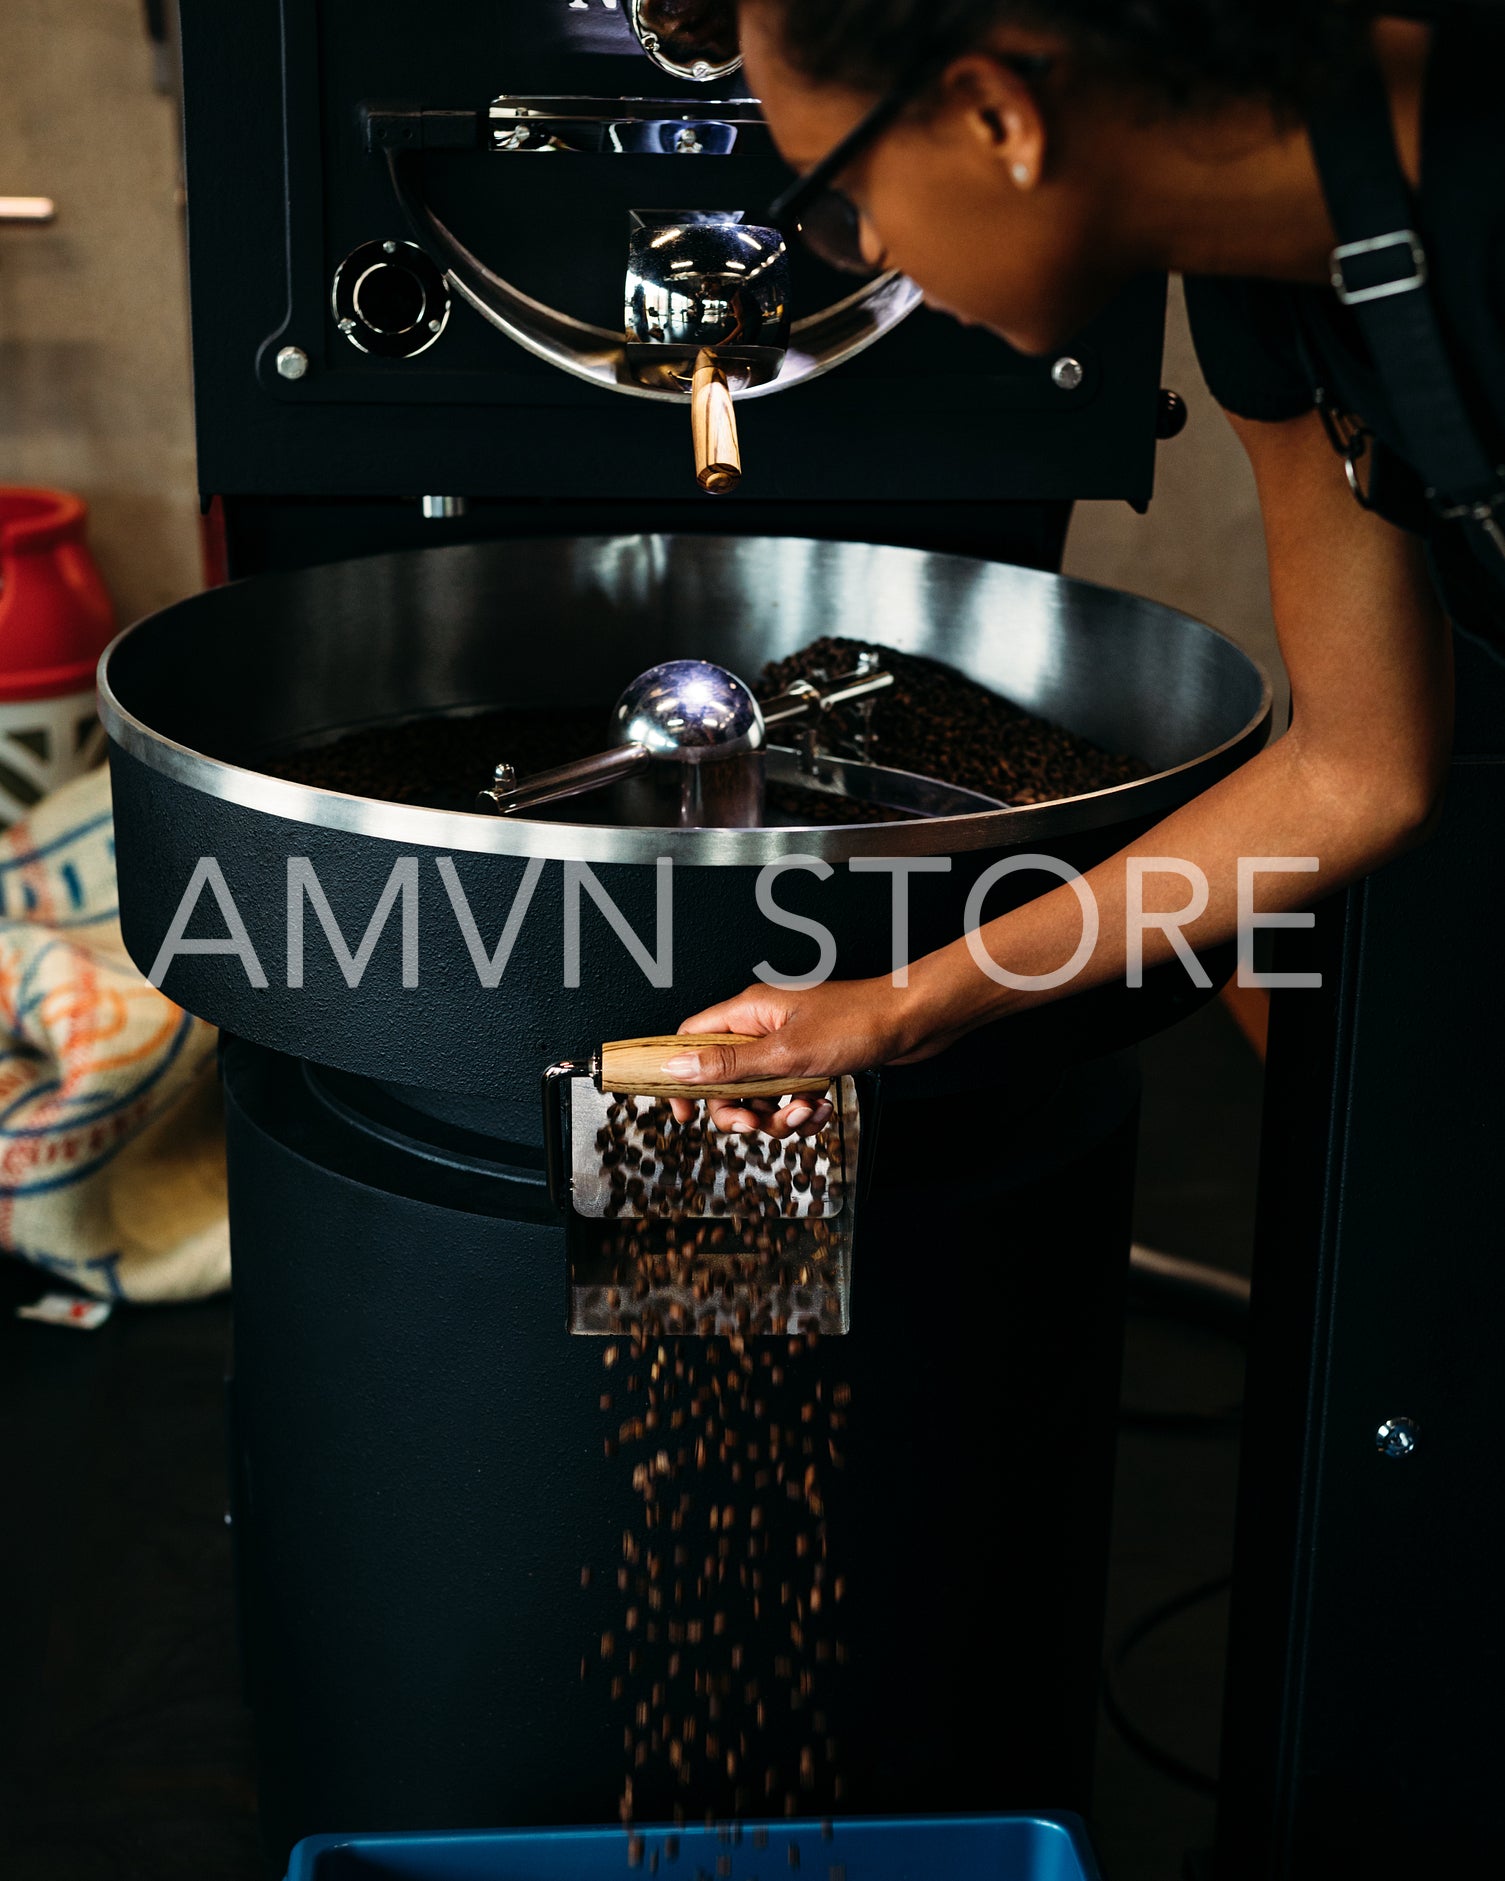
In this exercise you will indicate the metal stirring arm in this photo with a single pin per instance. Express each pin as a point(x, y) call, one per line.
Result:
point(507, 793)
point(805, 699)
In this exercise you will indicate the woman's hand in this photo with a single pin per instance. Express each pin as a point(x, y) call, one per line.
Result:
point(843, 1025)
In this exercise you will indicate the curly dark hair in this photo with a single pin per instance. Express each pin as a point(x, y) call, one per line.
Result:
point(1182, 52)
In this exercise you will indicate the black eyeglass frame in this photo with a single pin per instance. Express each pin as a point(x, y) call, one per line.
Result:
point(785, 209)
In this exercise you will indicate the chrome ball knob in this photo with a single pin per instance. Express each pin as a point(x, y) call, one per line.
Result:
point(709, 279)
point(690, 710)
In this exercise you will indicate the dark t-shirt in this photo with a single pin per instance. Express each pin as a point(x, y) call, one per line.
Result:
point(1266, 349)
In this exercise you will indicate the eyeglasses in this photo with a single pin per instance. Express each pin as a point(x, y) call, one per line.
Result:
point(824, 217)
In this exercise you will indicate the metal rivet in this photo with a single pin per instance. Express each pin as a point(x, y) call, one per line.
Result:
point(292, 362)
point(435, 325)
point(347, 326)
point(1396, 1437)
point(389, 248)
point(1068, 373)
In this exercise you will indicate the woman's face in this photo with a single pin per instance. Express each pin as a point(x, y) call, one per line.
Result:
point(940, 198)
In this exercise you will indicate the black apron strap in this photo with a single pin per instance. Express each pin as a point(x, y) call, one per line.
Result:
point(1379, 272)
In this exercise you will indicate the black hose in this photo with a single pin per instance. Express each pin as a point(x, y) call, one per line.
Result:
point(1165, 1761)
point(1192, 1290)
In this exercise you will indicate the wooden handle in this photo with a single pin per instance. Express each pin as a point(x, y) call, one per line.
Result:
point(713, 424)
point(633, 1067)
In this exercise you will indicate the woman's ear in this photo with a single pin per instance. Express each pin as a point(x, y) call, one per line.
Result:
point(999, 109)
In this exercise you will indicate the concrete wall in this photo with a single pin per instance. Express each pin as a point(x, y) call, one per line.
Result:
point(1200, 547)
point(93, 316)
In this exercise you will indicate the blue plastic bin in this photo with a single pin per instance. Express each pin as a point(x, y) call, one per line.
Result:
point(900, 1848)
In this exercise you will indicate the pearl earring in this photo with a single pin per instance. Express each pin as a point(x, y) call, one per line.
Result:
point(1021, 173)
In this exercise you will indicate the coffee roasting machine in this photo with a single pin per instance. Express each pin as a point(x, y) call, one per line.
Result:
point(453, 404)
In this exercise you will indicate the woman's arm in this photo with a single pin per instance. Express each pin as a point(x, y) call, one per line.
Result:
point(1355, 780)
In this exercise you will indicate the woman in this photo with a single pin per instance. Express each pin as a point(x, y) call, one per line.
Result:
point(1058, 147)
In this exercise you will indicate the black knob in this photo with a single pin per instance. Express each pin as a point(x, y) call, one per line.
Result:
point(1171, 414)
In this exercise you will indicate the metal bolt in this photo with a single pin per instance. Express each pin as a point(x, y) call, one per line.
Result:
point(292, 362)
point(1396, 1437)
point(1170, 414)
point(442, 508)
point(347, 326)
point(1068, 373)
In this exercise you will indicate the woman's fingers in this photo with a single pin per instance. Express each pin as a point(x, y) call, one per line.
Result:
point(741, 1117)
point(754, 1011)
point(801, 1118)
point(713, 1019)
point(735, 1119)
point(737, 1115)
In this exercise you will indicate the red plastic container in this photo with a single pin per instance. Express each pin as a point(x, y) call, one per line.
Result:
point(56, 619)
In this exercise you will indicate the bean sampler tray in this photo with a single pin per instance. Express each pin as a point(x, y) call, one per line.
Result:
point(680, 1229)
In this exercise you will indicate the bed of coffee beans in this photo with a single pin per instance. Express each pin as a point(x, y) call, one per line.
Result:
point(933, 721)
point(940, 723)
point(726, 1628)
point(440, 763)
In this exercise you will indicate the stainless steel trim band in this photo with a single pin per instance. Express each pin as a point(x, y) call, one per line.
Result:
point(740, 848)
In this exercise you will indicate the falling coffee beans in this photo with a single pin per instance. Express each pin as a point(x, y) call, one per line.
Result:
point(714, 1301)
